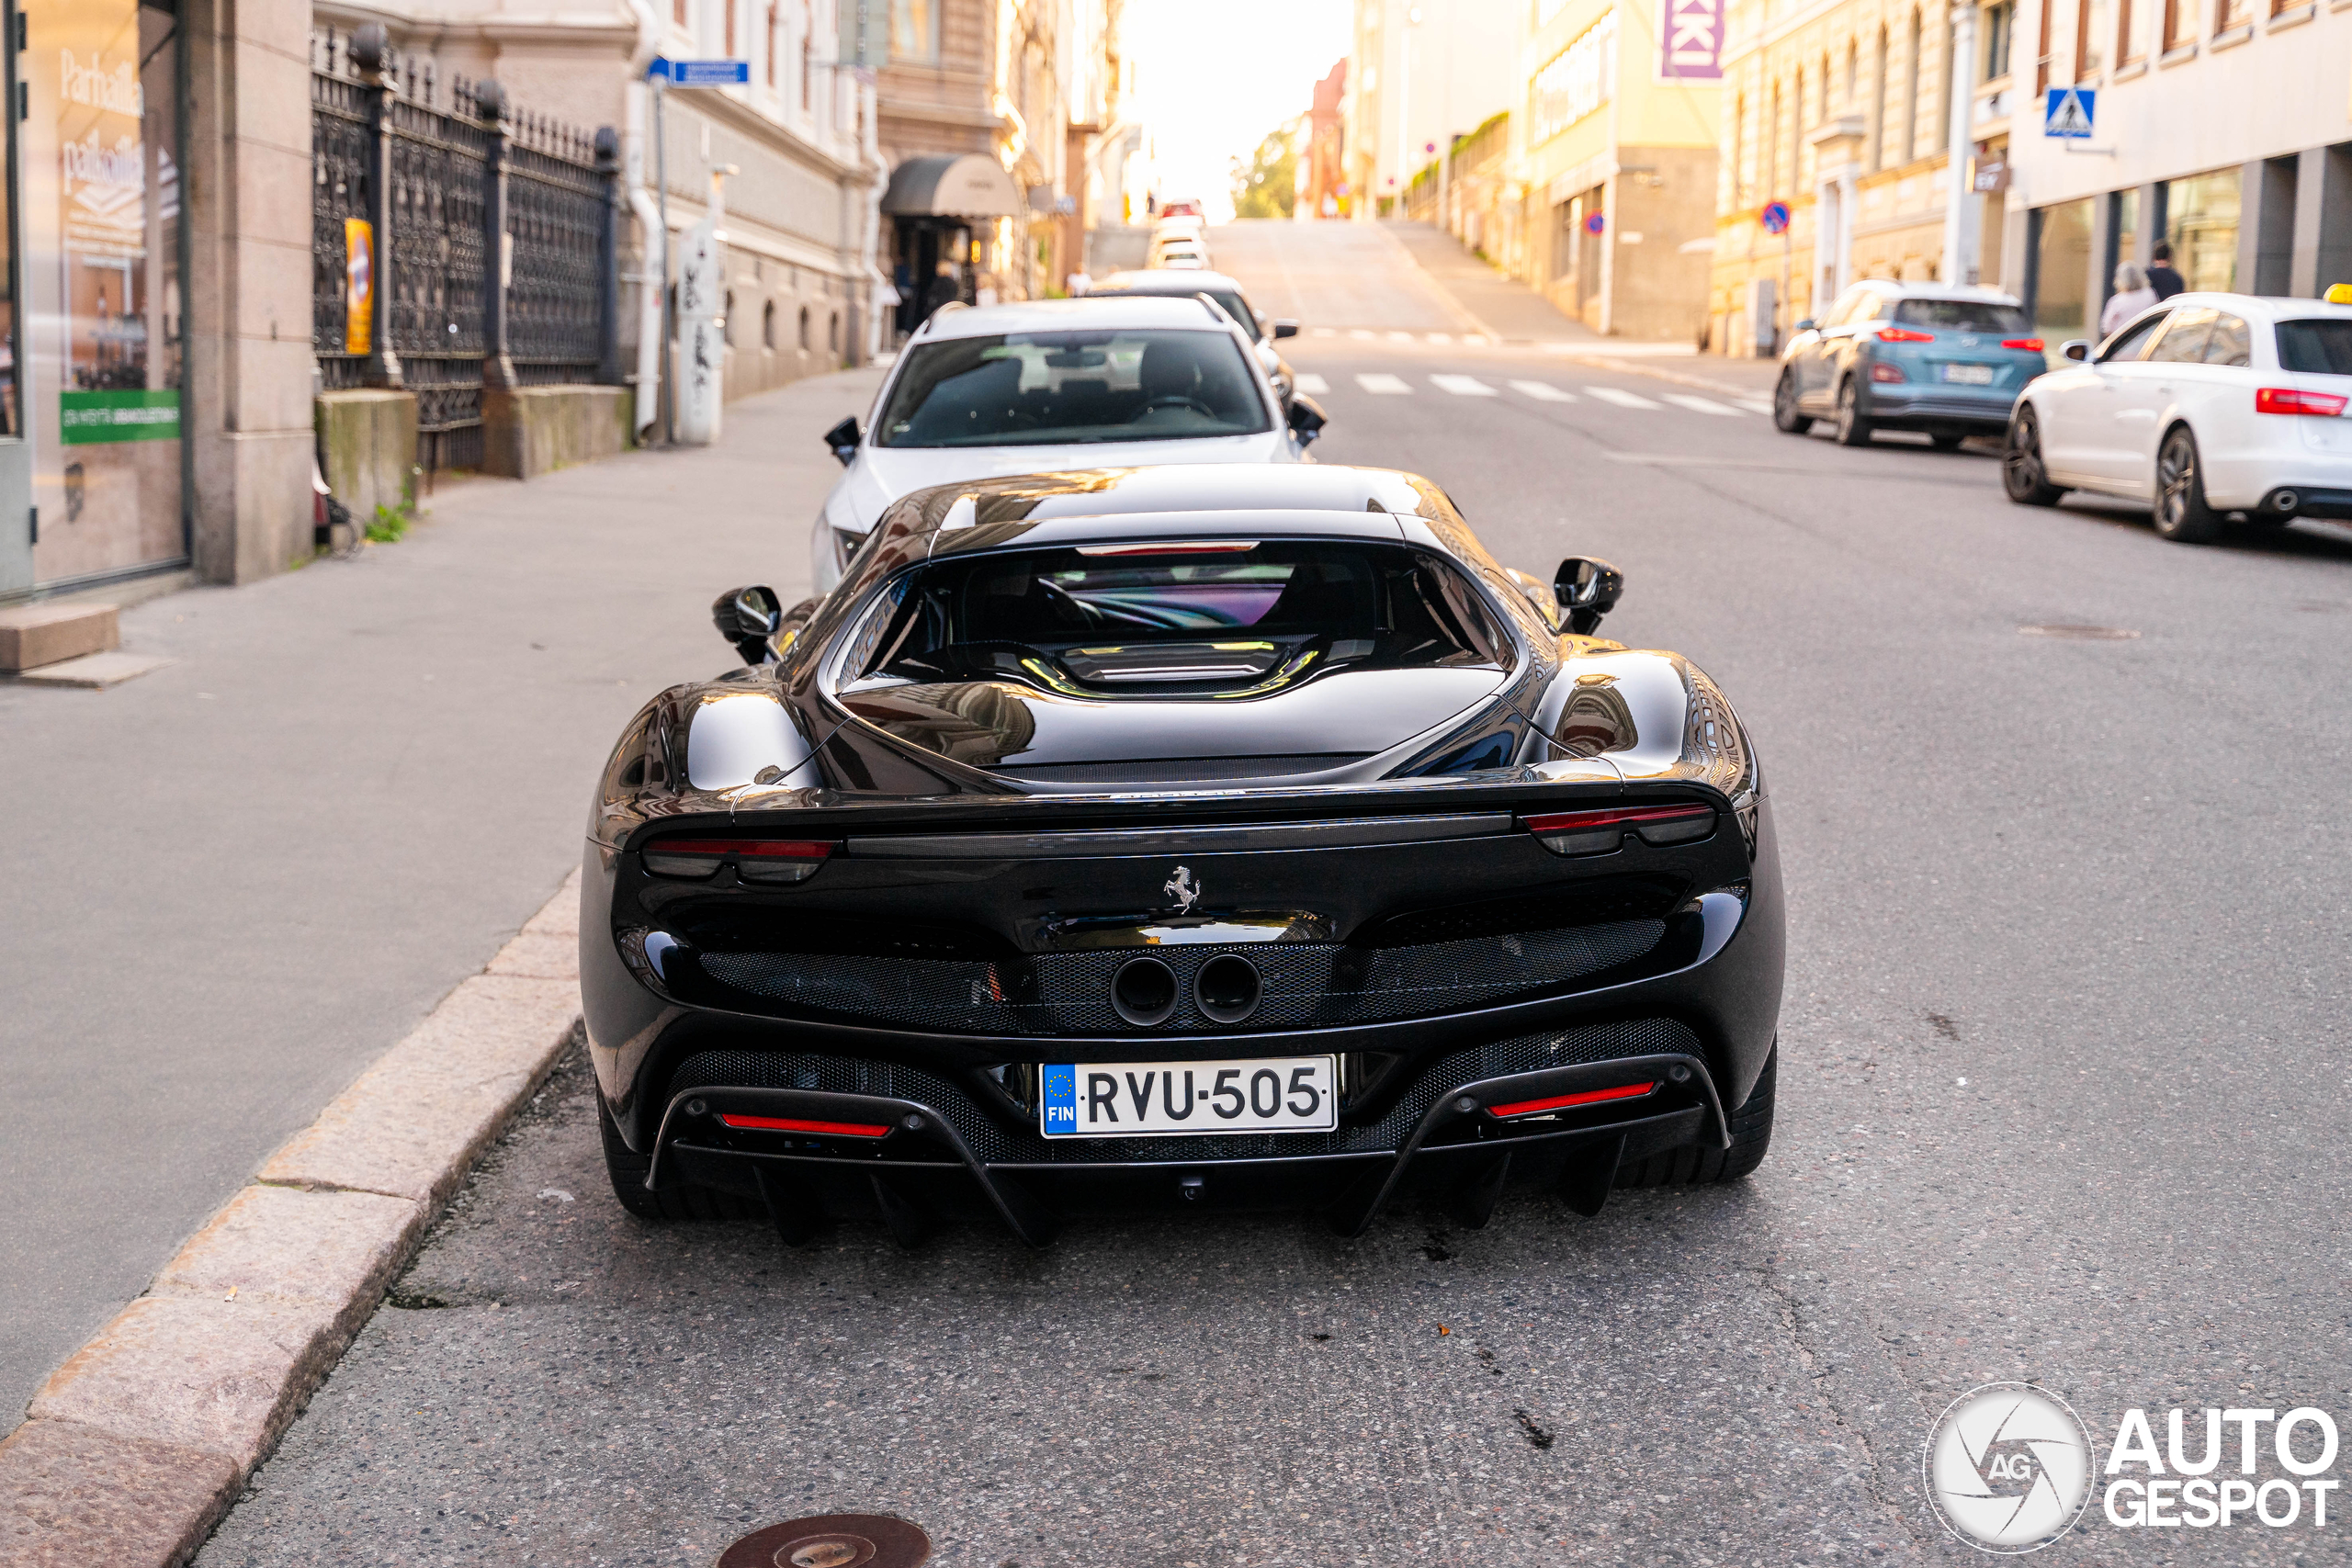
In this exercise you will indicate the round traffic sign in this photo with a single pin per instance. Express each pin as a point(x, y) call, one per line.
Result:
point(1595, 222)
point(1775, 217)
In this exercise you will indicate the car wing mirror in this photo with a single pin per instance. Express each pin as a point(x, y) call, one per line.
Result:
point(1587, 589)
point(1307, 419)
point(2075, 349)
point(748, 619)
point(1805, 325)
point(1285, 329)
point(844, 439)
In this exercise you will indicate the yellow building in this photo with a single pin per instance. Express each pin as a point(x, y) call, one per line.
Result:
point(1615, 144)
point(1842, 111)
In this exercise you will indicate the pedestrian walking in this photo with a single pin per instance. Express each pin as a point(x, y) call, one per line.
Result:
point(943, 288)
point(2161, 275)
point(2131, 295)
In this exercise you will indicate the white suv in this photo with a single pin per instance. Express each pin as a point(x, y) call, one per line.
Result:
point(1118, 382)
point(2205, 405)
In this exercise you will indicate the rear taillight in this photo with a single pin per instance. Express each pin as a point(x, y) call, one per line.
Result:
point(1903, 334)
point(1598, 832)
point(2290, 400)
point(756, 860)
point(1567, 1102)
point(2033, 343)
point(796, 1125)
point(1881, 371)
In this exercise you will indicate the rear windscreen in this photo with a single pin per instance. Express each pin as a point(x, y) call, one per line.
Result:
point(2316, 349)
point(1111, 616)
point(1039, 388)
point(1963, 316)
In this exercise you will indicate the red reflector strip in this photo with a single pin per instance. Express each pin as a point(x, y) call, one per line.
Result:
point(1205, 547)
point(1897, 334)
point(1609, 816)
point(2033, 343)
point(758, 849)
point(1562, 1101)
point(795, 1124)
point(2292, 399)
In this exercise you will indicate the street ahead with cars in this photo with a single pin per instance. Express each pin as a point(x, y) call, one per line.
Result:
point(2058, 1087)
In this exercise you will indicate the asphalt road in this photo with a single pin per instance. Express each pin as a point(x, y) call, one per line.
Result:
point(2062, 1100)
point(234, 882)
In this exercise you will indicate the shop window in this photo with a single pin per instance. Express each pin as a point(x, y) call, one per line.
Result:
point(833, 331)
point(914, 31)
point(2062, 271)
point(2180, 24)
point(2201, 221)
point(2000, 24)
point(727, 321)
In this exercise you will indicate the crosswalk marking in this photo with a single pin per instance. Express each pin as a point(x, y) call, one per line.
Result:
point(1365, 333)
point(1323, 331)
point(1463, 385)
point(1441, 337)
point(1401, 337)
point(1543, 392)
point(1622, 398)
point(1380, 381)
point(1699, 405)
point(1308, 381)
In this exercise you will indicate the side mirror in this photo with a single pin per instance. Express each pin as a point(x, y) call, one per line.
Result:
point(748, 618)
point(1804, 326)
point(2075, 349)
point(1588, 589)
point(1285, 329)
point(844, 439)
point(1307, 419)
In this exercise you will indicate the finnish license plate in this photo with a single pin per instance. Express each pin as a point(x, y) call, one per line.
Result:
point(1969, 375)
point(1131, 1100)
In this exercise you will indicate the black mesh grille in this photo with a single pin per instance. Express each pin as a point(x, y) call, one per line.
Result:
point(1069, 993)
point(999, 1142)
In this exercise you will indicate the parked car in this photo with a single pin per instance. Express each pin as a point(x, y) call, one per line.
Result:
point(1188, 834)
point(1942, 359)
point(2204, 406)
point(1227, 292)
point(1180, 253)
point(1094, 382)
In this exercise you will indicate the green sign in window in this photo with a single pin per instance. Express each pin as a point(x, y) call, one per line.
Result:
point(85, 418)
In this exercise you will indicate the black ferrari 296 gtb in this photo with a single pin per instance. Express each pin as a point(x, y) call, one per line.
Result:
point(1188, 833)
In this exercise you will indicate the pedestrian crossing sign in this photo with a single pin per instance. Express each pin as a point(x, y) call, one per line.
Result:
point(2068, 112)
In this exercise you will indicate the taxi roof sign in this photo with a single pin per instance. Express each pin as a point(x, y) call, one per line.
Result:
point(2339, 294)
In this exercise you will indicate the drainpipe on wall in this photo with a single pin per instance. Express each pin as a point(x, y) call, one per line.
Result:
point(877, 174)
point(1963, 207)
point(653, 266)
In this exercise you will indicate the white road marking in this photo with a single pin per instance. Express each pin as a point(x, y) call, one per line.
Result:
point(1364, 333)
point(1308, 381)
point(1440, 337)
point(1699, 405)
point(1543, 392)
point(1402, 337)
point(1380, 381)
point(1476, 340)
point(1323, 331)
point(1463, 385)
point(1623, 399)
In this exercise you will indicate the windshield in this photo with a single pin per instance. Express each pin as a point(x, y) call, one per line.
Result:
point(1039, 388)
point(2316, 349)
point(1963, 316)
point(1217, 613)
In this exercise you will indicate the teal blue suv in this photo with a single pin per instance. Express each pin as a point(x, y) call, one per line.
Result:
point(1944, 360)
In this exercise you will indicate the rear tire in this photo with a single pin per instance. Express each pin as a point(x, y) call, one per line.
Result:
point(1786, 416)
point(2182, 515)
point(675, 1200)
point(2022, 472)
point(1853, 430)
point(1751, 1135)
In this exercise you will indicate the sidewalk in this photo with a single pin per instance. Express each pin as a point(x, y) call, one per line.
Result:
point(238, 881)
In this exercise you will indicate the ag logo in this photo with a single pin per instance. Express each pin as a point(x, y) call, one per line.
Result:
point(2008, 1468)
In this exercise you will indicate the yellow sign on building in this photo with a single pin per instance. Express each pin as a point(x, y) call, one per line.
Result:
point(358, 285)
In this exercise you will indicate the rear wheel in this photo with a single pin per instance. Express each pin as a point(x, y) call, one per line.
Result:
point(1853, 430)
point(1751, 1135)
point(675, 1200)
point(2022, 473)
point(1786, 416)
point(2181, 512)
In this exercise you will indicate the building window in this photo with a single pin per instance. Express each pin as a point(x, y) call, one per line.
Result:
point(1946, 81)
point(767, 326)
point(914, 31)
point(682, 12)
point(1771, 186)
point(2000, 26)
point(2180, 24)
point(1878, 105)
point(727, 321)
point(833, 331)
point(1853, 68)
point(728, 27)
point(2090, 36)
point(804, 329)
point(1576, 82)
point(2049, 9)
point(775, 23)
point(1911, 96)
point(807, 60)
point(2231, 15)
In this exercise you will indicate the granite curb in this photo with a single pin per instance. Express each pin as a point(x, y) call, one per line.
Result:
point(133, 1450)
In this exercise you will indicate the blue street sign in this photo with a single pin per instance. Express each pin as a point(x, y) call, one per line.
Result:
point(2068, 112)
point(1775, 217)
point(701, 72)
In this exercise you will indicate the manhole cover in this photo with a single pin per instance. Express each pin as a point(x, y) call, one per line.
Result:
point(2092, 634)
point(831, 1541)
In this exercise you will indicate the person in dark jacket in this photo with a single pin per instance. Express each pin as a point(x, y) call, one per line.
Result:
point(943, 288)
point(2161, 275)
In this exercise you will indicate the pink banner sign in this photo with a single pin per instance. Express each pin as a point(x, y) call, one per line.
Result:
point(1690, 44)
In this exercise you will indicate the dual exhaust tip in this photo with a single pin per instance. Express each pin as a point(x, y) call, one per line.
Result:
point(1226, 988)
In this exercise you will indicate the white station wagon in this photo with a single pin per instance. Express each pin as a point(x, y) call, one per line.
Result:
point(2205, 405)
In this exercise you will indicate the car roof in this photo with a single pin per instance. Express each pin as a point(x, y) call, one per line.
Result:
point(2271, 305)
point(1087, 312)
point(1983, 293)
point(1366, 500)
point(1157, 281)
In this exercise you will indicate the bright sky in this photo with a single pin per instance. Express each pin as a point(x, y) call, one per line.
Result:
point(1217, 75)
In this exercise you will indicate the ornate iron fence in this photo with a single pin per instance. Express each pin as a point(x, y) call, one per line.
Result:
point(494, 240)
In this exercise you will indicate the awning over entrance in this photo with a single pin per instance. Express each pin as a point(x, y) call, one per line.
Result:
point(965, 185)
